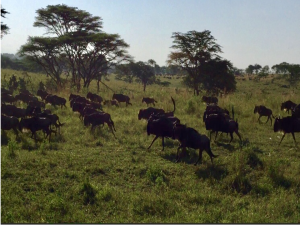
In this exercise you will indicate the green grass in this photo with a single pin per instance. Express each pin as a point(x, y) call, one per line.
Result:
point(84, 177)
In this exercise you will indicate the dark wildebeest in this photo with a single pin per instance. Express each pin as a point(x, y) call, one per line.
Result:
point(94, 97)
point(73, 96)
point(296, 111)
point(55, 100)
point(263, 111)
point(99, 118)
point(37, 104)
point(189, 137)
point(79, 99)
point(149, 101)
point(287, 124)
point(111, 102)
point(33, 110)
point(54, 119)
point(146, 113)
point(25, 98)
point(214, 109)
point(11, 110)
point(7, 98)
point(42, 94)
point(210, 100)
point(218, 122)
point(35, 124)
point(288, 105)
point(26, 92)
point(5, 91)
point(160, 126)
point(9, 122)
point(121, 98)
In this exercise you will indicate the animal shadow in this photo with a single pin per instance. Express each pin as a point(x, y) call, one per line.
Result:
point(226, 146)
point(189, 157)
point(211, 171)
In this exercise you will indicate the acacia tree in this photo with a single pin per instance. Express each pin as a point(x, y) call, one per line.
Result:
point(86, 49)
point(195, 52)
point(46, 53)
point(143, 73)
point(4, 27)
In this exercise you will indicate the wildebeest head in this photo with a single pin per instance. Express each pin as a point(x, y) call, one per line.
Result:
point(140, 115)
point(86, 121)
point(256, 109)
point(143, 99)
point(277, 124)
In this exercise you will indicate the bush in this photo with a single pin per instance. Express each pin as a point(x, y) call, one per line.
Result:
point(191, 107)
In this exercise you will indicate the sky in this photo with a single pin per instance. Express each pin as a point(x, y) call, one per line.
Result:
point(264, 32)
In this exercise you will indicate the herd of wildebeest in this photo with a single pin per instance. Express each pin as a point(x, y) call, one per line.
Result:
point(159, 123)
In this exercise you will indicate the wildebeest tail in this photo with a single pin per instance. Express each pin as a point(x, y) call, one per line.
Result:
point(173, 104)
point(112, 122)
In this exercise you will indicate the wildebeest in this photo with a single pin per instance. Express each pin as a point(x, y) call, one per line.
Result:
point(288, 105)
point(79, 99)
point(53, 118)
point(296, 111)
point(11, 110)
point(94, 97)
point(56, 100)
point(73, 96)
point(36, 104)
point(160, 126)
point(214, 109)
point(42, 94)
point(111, 102)
point(5, 91)
point(121, 98)
point(146, 113)
point(263, 111)
point(9, 122)
point(287, 125)
point(149, 101)
point(35, 124)
point(210, 100)
point(99, 118)
point(7, 98)
point(189, 137)
point(218, 122)
point(25, 98)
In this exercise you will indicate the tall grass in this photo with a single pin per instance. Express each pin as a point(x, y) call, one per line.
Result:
point(91, 177)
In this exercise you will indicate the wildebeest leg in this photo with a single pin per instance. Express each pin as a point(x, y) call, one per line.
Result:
point(153, 141)
point(177, 156)
point(16, 131)
point(259, 119)
point(268, 119)
point(238, 134)
point(216, 135)
point(110, 126)
point(231, 135)
point(163, 143)
point(294, 138)
point(281, 139)
point(200, 156)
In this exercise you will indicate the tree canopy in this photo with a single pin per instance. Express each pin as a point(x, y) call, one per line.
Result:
point(141, 71)
point(4, 27)
point(76, 45)
point(197, 54)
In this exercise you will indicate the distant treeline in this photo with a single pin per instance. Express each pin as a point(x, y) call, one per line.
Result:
point(11, 61)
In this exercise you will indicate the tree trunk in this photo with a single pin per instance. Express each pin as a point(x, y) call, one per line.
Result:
point(144, 87)
point(98, 86)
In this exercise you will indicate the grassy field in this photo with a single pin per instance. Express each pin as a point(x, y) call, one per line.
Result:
point(84, 177)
